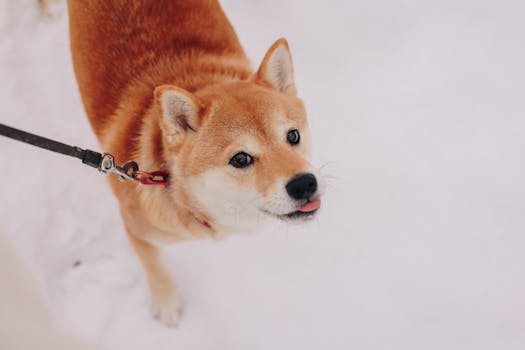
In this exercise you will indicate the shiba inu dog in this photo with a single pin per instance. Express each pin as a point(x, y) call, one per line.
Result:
point(167, 84)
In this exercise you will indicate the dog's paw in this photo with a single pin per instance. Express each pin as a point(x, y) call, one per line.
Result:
point(167, 309)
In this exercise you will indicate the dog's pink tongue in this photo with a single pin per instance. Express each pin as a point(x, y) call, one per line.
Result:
point(310, 206)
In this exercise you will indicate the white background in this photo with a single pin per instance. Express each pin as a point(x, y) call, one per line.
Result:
point(418, 113)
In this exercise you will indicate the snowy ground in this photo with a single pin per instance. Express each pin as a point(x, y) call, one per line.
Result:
point(418, 109)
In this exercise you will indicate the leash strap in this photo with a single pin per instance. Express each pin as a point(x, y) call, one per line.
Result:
point(88, 157)
point(105, 163)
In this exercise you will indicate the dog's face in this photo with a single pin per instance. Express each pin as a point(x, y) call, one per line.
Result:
point(240, 150)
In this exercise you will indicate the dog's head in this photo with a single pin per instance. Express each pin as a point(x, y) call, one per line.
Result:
point(240, 150)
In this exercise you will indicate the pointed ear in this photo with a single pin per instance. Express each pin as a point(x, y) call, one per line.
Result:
point(277, 68)
point(179, 109)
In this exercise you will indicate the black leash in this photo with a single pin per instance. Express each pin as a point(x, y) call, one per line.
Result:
point(88, 157)
point(105, 163)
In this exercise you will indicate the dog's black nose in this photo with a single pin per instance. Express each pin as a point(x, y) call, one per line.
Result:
point(302, 186)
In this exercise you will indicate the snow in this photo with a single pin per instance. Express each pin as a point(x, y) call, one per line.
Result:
point(417, 113)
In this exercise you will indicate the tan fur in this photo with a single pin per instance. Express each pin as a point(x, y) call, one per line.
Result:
point(129, 57)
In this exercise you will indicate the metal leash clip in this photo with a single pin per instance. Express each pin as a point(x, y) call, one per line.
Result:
point(130, 171)
point(127, 171)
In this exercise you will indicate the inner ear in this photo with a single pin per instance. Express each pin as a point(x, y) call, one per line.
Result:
point(179, 109)
point(276, 68)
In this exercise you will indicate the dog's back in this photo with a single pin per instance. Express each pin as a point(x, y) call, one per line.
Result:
point(120, 46)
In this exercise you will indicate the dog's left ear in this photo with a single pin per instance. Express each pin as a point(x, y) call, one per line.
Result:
point(179, 110)
point(276, 68)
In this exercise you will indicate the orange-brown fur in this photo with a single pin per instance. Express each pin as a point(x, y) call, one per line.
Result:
point(124, 51)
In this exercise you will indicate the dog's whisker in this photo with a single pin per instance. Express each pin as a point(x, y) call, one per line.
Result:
point(324, 165)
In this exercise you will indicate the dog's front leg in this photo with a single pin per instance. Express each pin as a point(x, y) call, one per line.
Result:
point(165, 302)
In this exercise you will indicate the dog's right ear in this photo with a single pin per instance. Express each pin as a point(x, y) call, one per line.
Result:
point(276, 68)
point(179, 109)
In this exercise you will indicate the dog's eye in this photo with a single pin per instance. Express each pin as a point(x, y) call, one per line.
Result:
point(241, 160)
point(293, 137)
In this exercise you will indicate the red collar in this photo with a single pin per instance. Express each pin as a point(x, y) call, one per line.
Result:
point(157, 177)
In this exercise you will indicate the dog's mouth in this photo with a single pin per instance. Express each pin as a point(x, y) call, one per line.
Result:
point(306, 211)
